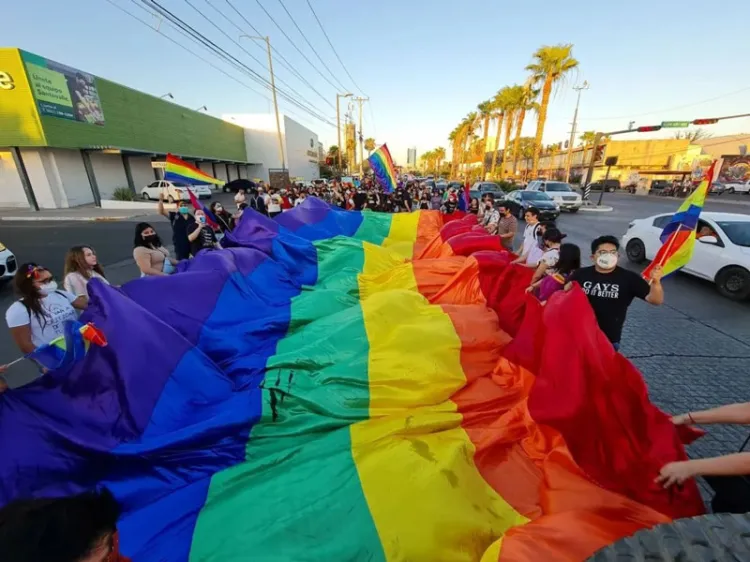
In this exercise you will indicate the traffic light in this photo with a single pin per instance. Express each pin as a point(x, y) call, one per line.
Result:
point(705, 121)
point(599, 153)
point(648, 128)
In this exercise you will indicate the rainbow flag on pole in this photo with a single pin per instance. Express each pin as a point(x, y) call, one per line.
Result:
point(679, 235)
point(383, 168)
point(342, 385)
point(179, 170)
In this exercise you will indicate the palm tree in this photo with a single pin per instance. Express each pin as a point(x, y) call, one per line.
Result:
point(453, 137)
point(501, 103)
point(467, 134)
point(439, 153)
point(587, 138)
point(526, 103)
point(426, 158)
point(369, 145)
point(514, 99)
point(485, 110)
point(550, 66)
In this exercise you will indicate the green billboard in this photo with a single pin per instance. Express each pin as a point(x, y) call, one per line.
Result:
point(62, 91)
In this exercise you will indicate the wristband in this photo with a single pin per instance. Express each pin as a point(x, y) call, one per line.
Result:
point(690, 417)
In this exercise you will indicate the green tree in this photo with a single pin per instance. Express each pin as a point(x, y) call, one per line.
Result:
point(527, 102)
point(587, 138)
point(501, 105)
point(550, 66)
point(439, 153)
point(485, 113)
point(369, 145)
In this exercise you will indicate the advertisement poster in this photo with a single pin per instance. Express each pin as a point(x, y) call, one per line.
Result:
point(734, 169)
point(61, 91)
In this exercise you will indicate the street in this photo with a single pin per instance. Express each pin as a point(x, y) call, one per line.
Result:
point(693, 351)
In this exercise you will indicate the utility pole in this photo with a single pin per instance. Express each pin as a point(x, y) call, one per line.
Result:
point(360, 100)
point(338, 124)
point(579, 89)
point(273, 91)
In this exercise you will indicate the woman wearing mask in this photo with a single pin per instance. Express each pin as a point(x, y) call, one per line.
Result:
point(474, 206)
point(182, 223)
point(548, 264)
point(80, 267)
point(568, 263)
point(39, 316)
point(202, 236)
point(239, 197)
point(226, 222)
point(150, 255)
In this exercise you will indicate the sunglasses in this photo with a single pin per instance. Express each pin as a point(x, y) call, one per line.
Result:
point(34, 271)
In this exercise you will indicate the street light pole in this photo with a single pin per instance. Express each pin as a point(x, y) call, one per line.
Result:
point(579, 89)
point(360, 100)
point(273, 92)
point(338, 125)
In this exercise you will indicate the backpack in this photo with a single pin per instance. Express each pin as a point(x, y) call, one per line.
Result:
point(257, 204)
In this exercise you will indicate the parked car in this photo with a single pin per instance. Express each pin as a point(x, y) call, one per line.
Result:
point(235, 185)
point(658, 186)
point(721, 254)
point(174, 191)
point(738, 187)
point(522, 199)
point(609, 186)
point(717, 188)
point(483, 187)
point(560, 192)
point(8, 263)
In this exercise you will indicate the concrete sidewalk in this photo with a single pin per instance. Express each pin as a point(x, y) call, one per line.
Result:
point(84, 213)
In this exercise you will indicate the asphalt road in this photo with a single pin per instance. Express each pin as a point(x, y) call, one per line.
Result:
point(694, 351)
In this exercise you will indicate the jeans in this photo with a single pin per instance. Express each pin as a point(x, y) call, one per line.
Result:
point(616, 345)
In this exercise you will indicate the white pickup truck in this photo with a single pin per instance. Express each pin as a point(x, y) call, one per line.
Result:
point(737, 187)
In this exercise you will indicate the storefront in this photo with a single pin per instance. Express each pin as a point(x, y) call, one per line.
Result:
point(69, 138)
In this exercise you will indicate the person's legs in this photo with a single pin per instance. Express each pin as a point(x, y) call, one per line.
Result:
point(616, 345)
point(182, 253)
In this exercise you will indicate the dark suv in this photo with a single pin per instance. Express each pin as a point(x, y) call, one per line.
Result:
point(610, 186)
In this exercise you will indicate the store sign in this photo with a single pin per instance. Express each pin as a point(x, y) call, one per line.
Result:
point(62, 91)
point(6, 81)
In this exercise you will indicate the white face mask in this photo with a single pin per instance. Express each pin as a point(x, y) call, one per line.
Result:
point(48, 288)
point(606, 261)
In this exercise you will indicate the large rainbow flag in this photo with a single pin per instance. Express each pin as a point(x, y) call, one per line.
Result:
point(383, 168)
point(349, 386)
point(179, 170)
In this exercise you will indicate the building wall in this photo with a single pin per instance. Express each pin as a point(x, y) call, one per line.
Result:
point(243, 171)
point(232, 173)
point(221, 171)
point(11, 188)
point(301, 150)
point(142, 172)
point(109, 172)
point(67, 165)
point(44, 178)
point(206, 168)
point(19, 121)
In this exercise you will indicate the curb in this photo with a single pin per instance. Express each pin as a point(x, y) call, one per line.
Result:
point(66, 219)
point(597, 209)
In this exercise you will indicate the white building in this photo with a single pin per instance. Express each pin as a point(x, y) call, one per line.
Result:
point(301, 147)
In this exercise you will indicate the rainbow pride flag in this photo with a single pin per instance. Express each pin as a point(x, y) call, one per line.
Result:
point(349, 386)
point(179, 170)
point(679, 235)
point(383, 168)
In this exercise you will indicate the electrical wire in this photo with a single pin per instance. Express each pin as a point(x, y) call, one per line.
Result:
point(669, 108)
point(281, 59)
point(304, 36)
point(199, 57)
point(189, 3)
point(334, 50)
point(207, 43)
point(304, 56)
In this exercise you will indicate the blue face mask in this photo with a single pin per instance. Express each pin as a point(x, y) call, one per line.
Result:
point(183, 210)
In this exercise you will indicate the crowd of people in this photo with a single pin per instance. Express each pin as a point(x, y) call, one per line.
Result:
point(39, 315)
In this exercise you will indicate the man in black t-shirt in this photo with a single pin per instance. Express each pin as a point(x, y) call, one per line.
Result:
point(183, 223)
point(360, 200)
point(611, 289)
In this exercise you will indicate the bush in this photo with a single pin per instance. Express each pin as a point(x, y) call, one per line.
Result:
point(123, 194)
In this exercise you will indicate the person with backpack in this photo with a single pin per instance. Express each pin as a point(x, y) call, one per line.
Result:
point(531, 236)
point(256, 202)
point(39, 316)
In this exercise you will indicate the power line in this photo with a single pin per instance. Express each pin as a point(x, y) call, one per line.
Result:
point(282, 60)
point(310, 45)
point(334, 50)
point(295, 46)
point(668, 109)
point(192, 33)
point(189, 3)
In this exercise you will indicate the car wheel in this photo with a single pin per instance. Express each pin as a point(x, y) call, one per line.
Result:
point(718, 536)
point(574, 209)
point(170, 199)
point(730, 190)
point(733, 282)
point(225, 189)
point(145, 196)
point(636, 251)
point(611, 190)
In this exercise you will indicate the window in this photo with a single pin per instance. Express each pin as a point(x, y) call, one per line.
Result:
point(737, 231)
point(558, 186)
point(661, 222)
point(153, 184)
point(534, 196)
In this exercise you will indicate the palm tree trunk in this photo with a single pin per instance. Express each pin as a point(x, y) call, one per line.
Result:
point(506, 146)
point(517, 141)
point(541, 119)
point(463, 155)
point(497, 143)
point(486, 133)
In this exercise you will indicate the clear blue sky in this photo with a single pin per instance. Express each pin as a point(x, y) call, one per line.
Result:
point(423, 64)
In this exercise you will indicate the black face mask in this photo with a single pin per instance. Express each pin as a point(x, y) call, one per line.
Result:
point(487, 207)
point(151, 239)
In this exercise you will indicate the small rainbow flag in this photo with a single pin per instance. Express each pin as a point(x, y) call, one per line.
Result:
point(678, 237)
point(68, 348)
point(383, 168)
point(179, 170)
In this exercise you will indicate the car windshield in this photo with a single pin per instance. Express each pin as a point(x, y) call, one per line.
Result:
point(534, 196)
point(738, 232)
point(489, 187)
point(558, 186)
point(179, 184)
